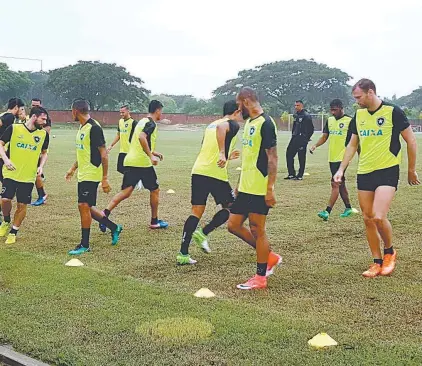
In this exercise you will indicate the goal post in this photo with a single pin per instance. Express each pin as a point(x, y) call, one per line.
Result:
point(318, 119)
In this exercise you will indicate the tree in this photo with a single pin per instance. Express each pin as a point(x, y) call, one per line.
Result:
point(39, 89)
point(12, 84)
point(103, 85)
point(170, 105)
point(413, 100)
point(280, 84)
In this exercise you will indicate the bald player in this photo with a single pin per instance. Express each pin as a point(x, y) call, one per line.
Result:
point(256, 193)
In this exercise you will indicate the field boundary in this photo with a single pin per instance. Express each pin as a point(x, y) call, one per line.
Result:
point(12, 358)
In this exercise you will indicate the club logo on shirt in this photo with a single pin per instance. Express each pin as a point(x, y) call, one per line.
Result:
point(252, 130)
point(20, 137)
point(300, 119)
point(82, 136)
point(37, 139)
point(380, 121)
point(126, 125)
point(341, 125)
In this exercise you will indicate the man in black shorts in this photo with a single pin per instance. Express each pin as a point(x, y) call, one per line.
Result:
point(209, 176)
point(139, 164)
point(377, 127)
point(39, 183)
point(256, 187)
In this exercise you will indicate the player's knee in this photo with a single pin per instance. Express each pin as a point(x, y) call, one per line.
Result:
point(379, 219)
point(257, 231)
point(233, 227)
point(369, 219)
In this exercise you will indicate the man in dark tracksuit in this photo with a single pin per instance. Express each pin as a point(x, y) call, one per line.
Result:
point(302, 132)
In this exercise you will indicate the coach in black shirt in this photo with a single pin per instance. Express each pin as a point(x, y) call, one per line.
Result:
point(302, 131)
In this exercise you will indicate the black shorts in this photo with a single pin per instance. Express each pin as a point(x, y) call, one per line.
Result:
point(147, 175)
point(203, 186)
point(334, 167)
point(87, 193)
point(246, 203)
point(22, 191)
point(120, 160)
point(383, 177)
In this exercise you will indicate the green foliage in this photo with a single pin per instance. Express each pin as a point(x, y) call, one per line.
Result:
point(12, 84)
point(170, 105)
point(280, 84)
point(413, 100)
point(103, 85)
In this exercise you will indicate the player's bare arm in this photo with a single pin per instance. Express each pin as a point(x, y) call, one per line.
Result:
point(115, 141)
point(7, 162)
point(71, 171)
point(222, 130)
point(351, 149)
point(272, 175)
point(43, 161)
point(104, 162)
point(322, 140)
point(412, 147)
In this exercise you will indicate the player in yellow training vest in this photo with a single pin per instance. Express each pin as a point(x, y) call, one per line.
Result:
point(256, 187)
point(139, 164)
point(92, 166)
point(124, 134)
point(26, 142)
point(337, 132)
point(39, 183)
point(209, 176)
point(377, 127)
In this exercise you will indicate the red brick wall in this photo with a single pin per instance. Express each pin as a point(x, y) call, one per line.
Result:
point(111, 118)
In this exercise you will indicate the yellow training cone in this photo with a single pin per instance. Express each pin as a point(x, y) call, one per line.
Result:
point(205, 293)
point(74, 263)
point(322, 340)
point(171, 191)
point(238, 168)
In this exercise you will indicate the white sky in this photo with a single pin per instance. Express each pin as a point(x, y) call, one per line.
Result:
point(193, 46)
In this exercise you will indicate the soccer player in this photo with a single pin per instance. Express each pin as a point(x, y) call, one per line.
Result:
point(124, 134)
point(26, 142)
point(302, 131)
point(377, 127)
point(256, 187)
point(39, 183)
point(139, 164)
point(14, 107)
point(22, 116)
point(336, 131)
point(92, 165)
point(209, 176)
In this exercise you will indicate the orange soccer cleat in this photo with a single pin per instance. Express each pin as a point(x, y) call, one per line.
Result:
point(373, 271)
point(389, 264)
point(274, 260)
point(256, 282)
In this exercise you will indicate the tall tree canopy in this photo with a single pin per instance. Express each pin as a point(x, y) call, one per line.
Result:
point(103, 85)
point(12, 84)
point(280, 84)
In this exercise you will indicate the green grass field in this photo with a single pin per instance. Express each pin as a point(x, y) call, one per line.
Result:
point(129, 305)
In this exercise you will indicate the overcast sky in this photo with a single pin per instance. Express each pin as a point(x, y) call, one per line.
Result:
point(194, 46)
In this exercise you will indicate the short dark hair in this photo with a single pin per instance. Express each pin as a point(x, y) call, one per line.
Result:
point(38, 111)
point(125, 106)
point(36, 100)
point(81, 105)
point(15, 102)
point(336, 103)
point(365, 85)
point(299, 101)
point(230, 107)
point(154, 105)
point(248, 93)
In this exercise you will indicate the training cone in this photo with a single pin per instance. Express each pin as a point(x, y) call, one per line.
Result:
point(74, 263)
point(205, 293)
point(355, 210)
point(171, 191)
point(306, 174)
point(238, 168)
point(322, 340)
